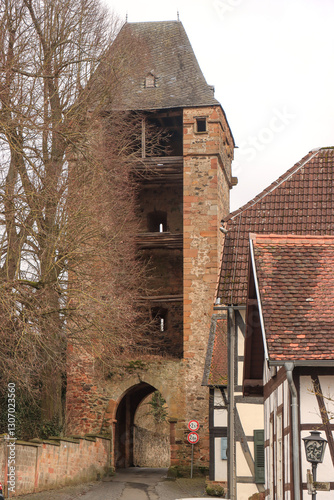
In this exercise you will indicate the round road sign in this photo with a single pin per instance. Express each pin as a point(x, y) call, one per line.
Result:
point(193, 425)
point(193, 437)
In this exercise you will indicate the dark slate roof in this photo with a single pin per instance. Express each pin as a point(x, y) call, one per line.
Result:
point(163, 49)
point(295, 276)
point(300, 202)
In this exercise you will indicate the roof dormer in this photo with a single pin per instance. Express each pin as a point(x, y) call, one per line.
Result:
point(150, 80)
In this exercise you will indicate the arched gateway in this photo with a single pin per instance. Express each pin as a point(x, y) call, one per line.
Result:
point(124, 427)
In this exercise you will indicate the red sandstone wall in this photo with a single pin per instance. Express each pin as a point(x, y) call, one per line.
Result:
point(206, 181)
point(44, 465)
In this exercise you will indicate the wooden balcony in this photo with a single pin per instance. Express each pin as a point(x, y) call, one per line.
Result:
point(158, 299)
point(159, 240)
point(160, 170)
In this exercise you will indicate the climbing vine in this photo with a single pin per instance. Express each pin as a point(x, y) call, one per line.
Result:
point(158, 407)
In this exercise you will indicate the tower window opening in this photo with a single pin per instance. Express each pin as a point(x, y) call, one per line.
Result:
point(157, 221)
point(159, 315)
point(201, 125)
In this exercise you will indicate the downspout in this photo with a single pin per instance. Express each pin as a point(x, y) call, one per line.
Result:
point(231, 403)
point(295, 431)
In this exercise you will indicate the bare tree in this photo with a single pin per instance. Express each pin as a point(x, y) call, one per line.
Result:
point(68, 270)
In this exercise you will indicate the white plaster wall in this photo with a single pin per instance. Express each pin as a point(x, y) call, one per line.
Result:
point(218, 398)
point(309, 408)
point(220, 415)
point(220, 465)
point(287, 468)
point(244, 491)
point(240, 372)
point(286, 408)
point(241, 340)
point(243, 468)
point(251, 417)
point(240, 352)
point(220, 418)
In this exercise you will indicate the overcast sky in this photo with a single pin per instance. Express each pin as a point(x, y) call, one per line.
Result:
point(272, 65)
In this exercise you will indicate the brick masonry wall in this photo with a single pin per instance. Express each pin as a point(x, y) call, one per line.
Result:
point(44, 465)
point(207, 181)
point(86, 394)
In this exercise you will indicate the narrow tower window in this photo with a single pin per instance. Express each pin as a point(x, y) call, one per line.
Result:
point(201, 125)
point(157, 221)
point(159, 315)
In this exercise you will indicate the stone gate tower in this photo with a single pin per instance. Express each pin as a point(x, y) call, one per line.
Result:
point(181, 205)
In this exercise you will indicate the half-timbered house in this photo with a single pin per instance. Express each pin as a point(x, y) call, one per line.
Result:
point(299, 202)
point(289, 355)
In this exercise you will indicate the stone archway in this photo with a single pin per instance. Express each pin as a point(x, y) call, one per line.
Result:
point(125, 422)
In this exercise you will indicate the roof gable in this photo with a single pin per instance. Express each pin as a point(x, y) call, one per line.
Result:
point(300, 202)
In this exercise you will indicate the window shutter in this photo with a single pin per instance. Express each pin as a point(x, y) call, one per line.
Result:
point(259, 455)
point(223, 448)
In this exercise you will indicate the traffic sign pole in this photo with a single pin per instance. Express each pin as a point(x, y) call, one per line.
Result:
point(192, 438)
point(192, 461)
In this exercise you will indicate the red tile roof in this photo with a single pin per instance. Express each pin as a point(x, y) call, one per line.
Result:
point(295, 275)
point(300, 202)
point(216, 364)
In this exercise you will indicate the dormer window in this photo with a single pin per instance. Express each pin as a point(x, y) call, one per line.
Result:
point(150, 80)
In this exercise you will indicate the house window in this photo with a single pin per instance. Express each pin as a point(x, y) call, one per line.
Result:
point(259, 455)
point(150, 81)
point(157, 221)
point(201, 125)
point(224, 448)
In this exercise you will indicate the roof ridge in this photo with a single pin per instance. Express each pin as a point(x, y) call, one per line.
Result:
point(275, 184)
point(154, 22)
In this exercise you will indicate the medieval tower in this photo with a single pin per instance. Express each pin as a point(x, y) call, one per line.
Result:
point(180, 207)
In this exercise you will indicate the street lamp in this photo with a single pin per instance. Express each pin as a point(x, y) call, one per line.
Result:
point(315, 449)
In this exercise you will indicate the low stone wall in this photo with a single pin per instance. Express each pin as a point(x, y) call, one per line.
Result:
point(151, 449)
point(31, 466)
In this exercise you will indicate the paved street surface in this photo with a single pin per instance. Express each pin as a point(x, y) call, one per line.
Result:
point(129, 484)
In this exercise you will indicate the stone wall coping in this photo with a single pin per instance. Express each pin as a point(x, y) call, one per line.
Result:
point(91, 437)
point(28, 443)
point(66, 439)
point(100, 436)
